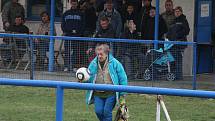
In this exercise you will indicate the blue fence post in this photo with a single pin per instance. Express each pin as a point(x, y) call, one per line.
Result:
point(156, 24)
point(51, 46)
point(31, 57)
point(59, 103)
point(194, 65)
point(156, 32)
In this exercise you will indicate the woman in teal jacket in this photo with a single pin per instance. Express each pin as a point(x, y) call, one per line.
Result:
point(105, 69)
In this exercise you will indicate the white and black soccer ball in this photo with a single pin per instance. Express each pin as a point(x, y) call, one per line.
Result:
point(83, 74)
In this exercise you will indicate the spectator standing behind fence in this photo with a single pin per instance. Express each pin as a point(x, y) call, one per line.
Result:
point(105, 31)
point(105, 69)
point(10, 10)
point(129, 14)
point(90, 15)
point(100, 5)
point(115, 21)
point(113, 16)
point(19, 27)
point(143, 13)
point(178, 32)
point(42, 45)
point(169, 15)
point(131, 52)
point(148, 26)
point(148, 33)
point(72, 25)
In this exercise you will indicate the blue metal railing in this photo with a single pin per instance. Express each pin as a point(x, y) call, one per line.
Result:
point(88, 86)
point(66, 38)
point(194, 66)
point(131, 89)
point(51, 46)
point(93, 39)
point(156, 24)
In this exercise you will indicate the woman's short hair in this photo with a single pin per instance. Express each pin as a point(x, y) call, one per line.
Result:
point(179, 8)
point(102, 46)
point(169, 1)
point(46, 13)
point(104, 18)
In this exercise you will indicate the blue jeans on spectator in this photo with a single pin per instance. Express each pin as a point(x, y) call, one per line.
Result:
point(104, 107)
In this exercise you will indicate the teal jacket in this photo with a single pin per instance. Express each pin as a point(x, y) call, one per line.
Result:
point(117, 74)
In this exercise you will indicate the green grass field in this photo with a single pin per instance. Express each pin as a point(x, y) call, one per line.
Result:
point(38, 104)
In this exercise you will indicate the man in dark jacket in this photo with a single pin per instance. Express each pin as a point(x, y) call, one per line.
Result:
point(73, 21)
point(20, 43)
point(148, 33)
point(148, 27)
point(113, 16)
point(129, 14)
point(180, 29)
point(178, 32)
point(169, 15)
point(144, 7)
point(105, 31)
point(19, 28)
point(90, 14)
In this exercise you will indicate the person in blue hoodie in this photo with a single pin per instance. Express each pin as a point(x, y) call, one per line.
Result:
point(72, 25)
point(105, 69)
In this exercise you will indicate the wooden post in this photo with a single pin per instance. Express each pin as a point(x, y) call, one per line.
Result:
point(161, 102)
point(158, 110)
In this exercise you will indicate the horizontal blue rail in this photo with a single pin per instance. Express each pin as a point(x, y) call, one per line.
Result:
point(60, 85)
point(92, 39)
point(120, 88)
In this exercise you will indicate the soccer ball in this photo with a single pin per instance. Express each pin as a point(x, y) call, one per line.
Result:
point(83, 74)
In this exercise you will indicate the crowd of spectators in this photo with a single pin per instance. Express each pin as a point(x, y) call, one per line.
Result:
point(129, 19)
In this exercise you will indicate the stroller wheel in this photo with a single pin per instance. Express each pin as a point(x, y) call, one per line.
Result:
point(170, 76)
point(147, 75)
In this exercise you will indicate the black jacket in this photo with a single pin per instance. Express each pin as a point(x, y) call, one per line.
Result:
point(73, 23)
point(126, 16)
point(179, 30)
point(103, 33)
point(90, 15)
point(132, 49)
point(128, 35)
point(106, 33)
point(142, 13)
point(148, 28)
point(19, 29)
point(22, 29)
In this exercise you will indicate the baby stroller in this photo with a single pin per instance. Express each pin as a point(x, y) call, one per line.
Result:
point(161, 60)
